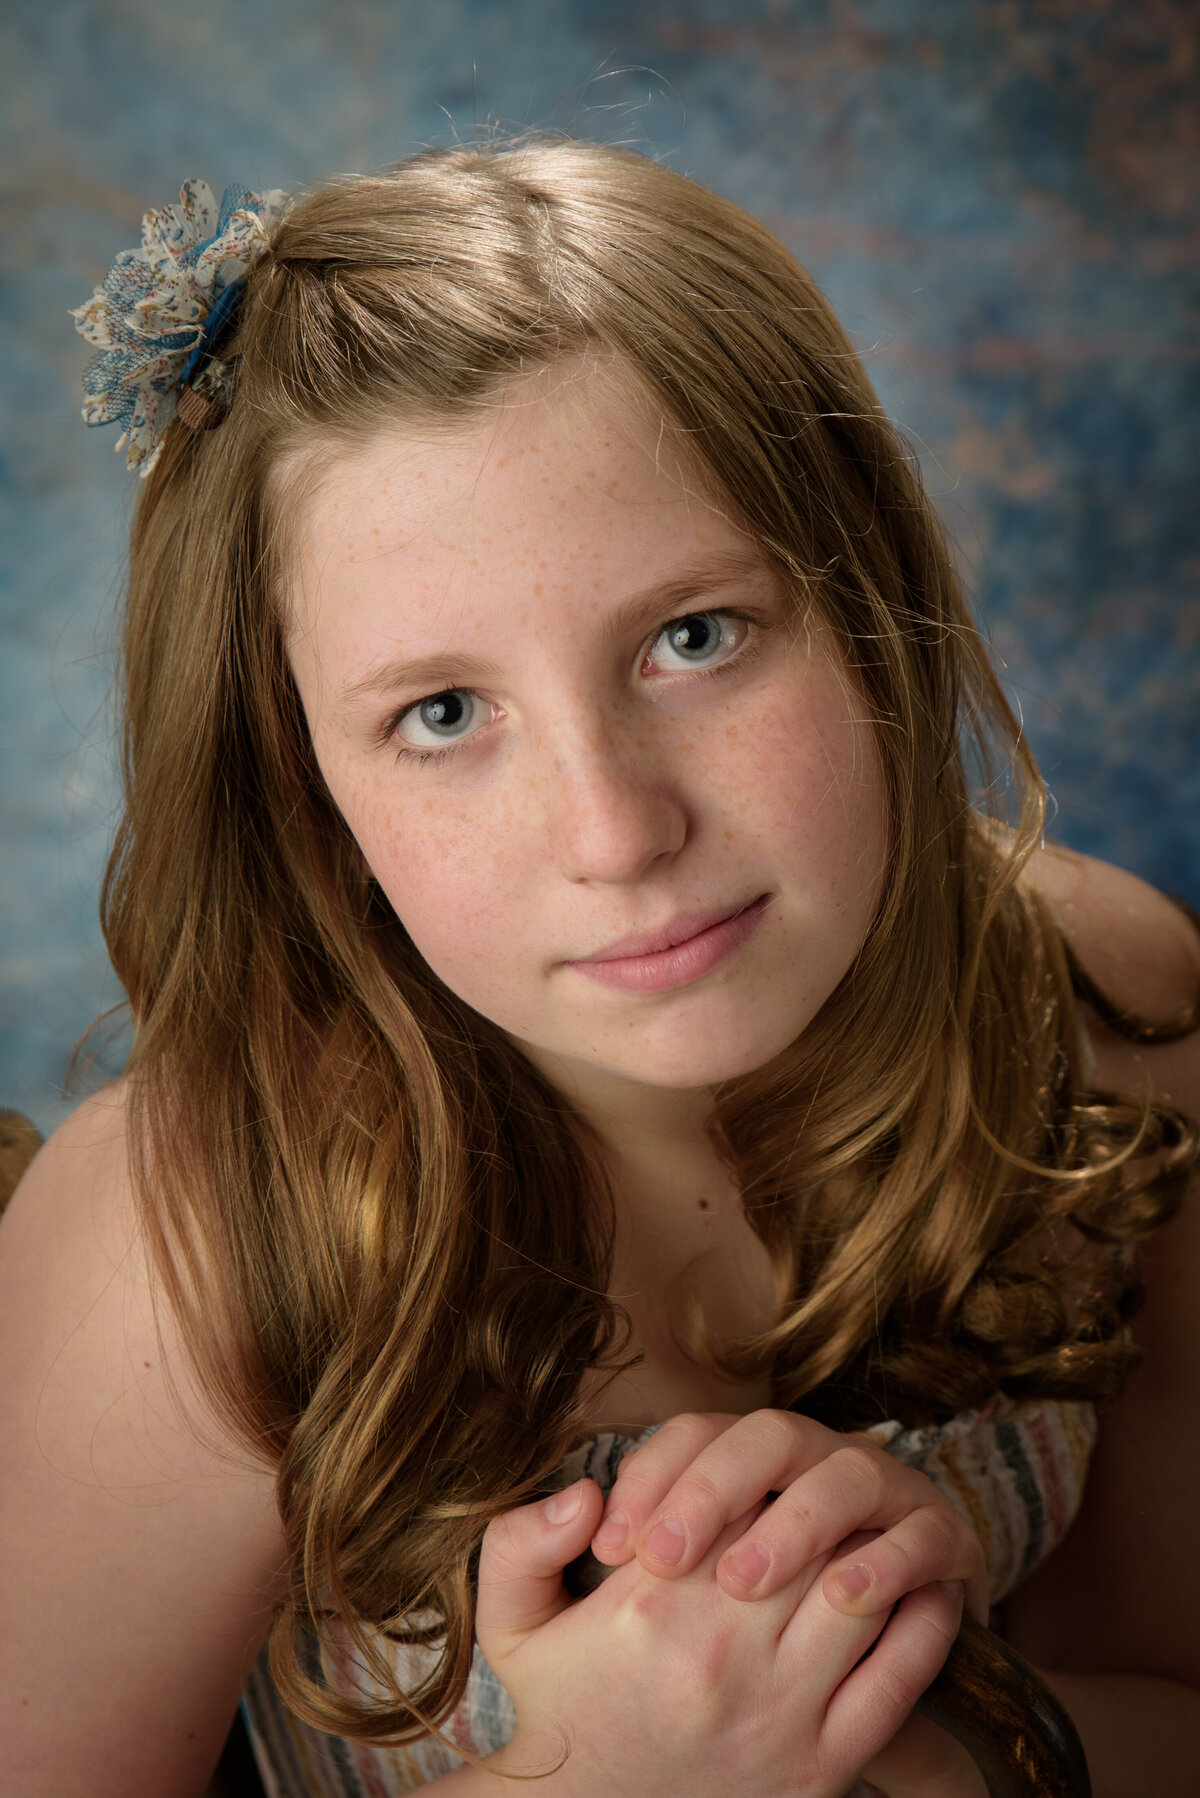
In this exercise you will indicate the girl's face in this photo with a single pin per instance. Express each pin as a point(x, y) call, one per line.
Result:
point(562, 702)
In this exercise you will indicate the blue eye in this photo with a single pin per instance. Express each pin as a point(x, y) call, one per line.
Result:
point(442, 718)
point(699, 639)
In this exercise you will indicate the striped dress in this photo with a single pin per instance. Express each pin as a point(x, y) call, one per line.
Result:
point(1014, 1469)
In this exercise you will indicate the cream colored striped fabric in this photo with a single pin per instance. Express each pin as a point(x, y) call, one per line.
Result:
point(1015, 1470)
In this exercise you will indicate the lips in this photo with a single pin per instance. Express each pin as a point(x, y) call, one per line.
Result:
point(691, 946)
point(680, 930)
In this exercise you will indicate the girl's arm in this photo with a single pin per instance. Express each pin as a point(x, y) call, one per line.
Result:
point(138, 1547)
point(1115, 1613)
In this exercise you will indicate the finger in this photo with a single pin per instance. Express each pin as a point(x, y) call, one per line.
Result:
point(647, 1474)
point(876, 1697)
point(677, 1501)
point(930, 1543)
point(521, 1565)
point(733, 1532)
point(922, 1761)
point(858, 1487)
point(817, 1645)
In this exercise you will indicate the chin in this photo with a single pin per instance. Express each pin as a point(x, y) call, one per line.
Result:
point(708, 1058)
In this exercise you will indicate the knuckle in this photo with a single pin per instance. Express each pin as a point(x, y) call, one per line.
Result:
point(692, 1666)
point(648, 1605)
point(645, 1474)
point(696, 1494)
point(501, 1531)
point(899, 1688)
point(939, 1614)
point(864, 1467)
point(713, 1656)
point(782, 1427)
point(697, 1428)
point(634, 1487)
point(960, 1542)
point(503, 1545)
point(684, 1434)
point(899, 1562)
point(779, 1418)
point(945, 1528)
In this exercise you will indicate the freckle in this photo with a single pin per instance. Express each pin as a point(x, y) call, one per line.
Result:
point(704, 1204)
point(145, 1363)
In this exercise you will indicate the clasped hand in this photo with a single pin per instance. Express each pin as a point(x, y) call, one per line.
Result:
point(781, 1596)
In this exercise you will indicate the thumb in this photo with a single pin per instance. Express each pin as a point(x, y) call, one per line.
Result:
point(521, 1565)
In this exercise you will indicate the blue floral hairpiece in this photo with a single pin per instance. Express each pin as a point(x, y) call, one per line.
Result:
point(159, 313)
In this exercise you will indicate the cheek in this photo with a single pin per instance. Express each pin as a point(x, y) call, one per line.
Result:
point(813, 793)
point(451, 877)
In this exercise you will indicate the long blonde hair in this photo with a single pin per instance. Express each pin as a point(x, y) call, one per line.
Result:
point(352, 1183)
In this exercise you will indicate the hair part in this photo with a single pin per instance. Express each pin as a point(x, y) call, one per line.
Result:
point(352, 1182)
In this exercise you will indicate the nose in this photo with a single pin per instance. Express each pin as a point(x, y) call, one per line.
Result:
point(613, 808)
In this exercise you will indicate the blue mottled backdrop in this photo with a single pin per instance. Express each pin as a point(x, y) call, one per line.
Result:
point(999, 196)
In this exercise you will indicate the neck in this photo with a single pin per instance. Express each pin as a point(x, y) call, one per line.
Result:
point(656, 1147)
point(680, 1232)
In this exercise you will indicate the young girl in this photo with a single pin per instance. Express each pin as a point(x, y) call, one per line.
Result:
point(593, 967)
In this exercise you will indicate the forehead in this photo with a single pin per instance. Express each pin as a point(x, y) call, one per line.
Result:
point(571, 483)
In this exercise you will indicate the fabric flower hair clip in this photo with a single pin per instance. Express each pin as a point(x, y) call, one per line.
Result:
point(159, 314)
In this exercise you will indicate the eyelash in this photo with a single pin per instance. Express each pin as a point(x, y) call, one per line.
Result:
point(434, 758)
point(429, 758)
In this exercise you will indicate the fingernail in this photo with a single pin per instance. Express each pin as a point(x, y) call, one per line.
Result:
point(852, 1582)
point(612, 1534)
point(560, 1507)
point(667, 1540)
point(748, 1565)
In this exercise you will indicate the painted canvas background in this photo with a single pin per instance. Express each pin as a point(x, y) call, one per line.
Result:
point(999, 196)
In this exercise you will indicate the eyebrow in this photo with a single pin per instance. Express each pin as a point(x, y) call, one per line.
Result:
point(458, 668)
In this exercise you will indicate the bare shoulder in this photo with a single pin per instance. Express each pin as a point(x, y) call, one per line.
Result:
point(80, 1174)
point(1143, 952)
point(126, 1517)
point(68, 1235)
point(75, 1276)
point(1134, 941)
